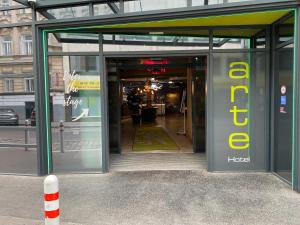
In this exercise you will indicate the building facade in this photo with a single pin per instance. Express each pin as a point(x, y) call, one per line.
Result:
point(17, 77)
point(245, 52)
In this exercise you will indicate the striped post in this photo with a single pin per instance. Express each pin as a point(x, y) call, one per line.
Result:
point(51, 198)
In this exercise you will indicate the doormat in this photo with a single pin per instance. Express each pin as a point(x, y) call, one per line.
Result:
point(152, 138)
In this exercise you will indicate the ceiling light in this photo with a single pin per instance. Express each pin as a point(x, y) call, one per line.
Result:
point(156, 33)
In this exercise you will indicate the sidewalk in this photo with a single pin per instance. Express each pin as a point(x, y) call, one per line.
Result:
point(154, 197)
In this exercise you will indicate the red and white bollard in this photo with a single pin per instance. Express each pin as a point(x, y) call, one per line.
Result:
point(51, 198)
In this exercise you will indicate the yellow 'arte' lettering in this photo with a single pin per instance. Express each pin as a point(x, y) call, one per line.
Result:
point(241, 138)
point(234, 88)
point(240, 72)
point(238, 141)
point(235, 111)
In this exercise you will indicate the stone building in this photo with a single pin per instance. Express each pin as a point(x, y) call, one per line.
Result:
point(17, 88)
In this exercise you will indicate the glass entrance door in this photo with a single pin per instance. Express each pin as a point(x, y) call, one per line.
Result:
point(283, 98)
point(283, 113)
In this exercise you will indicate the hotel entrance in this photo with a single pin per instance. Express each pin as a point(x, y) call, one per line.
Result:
point(157, 112)
point(223, 85)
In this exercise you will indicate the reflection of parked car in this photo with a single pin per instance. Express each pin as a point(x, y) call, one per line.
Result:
point(33, 118)
point(8, 117)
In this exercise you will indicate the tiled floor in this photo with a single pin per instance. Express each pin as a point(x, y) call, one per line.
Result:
point(182, 159)
point(172, 124)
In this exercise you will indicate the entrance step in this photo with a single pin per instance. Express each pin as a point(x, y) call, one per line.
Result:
point(157, 161)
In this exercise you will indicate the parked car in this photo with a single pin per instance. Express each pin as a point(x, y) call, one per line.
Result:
point(8, 117)
point(33, 118)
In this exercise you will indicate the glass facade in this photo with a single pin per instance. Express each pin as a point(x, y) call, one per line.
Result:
point(284, 98)
point(17, 101)
point(75, 108)
point(152, 42)
point(18, 146)
point(130, 6)
point(283, 113)
point(241, 65)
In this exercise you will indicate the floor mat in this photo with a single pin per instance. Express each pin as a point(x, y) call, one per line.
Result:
point(152, 138)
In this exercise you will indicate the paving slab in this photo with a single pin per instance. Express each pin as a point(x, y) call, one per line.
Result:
point(154, 198)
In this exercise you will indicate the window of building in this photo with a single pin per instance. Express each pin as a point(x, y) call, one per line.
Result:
point(8, 85)
point(4, 4)
point(24, 11)
point(85, 65)
point(27, 45)
point(66, 13)
point(29, 85)
point(6, 45)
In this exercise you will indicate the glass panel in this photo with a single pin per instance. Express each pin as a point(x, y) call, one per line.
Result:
point(70, 12)
point(285, 31)
point(120, 42)
point(17, 105)
point(283, 113)
point(102, 9)
point(75, 100)
point(211, 2)
point(134, 6)
point(284, 99)
point(73, 42)
point(197, 2)
point(259, 41)
point(146, 5)
point(231, 43)
point(15, 16)
point(239, 111)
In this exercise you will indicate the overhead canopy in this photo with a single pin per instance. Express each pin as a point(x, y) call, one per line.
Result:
point(245, 19)
point(233, 25)
point(226, 21)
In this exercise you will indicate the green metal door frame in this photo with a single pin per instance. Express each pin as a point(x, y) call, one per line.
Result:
point(40, 33)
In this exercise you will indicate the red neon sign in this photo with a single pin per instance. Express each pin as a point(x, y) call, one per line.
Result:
point(156, 71)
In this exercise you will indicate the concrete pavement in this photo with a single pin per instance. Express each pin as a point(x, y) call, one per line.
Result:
point(155, 197)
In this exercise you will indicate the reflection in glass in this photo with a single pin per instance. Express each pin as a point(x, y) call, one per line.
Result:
point(17, 106)
point(283, 113)
point(231, 43)
point(70, 12)
point(145, 5)
point(283, 96)
point(75, 100)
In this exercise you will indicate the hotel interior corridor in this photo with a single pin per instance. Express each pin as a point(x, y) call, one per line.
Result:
point(178, 156)
point(153, 128)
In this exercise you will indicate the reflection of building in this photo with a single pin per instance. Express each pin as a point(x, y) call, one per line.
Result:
point(16, 62)
point(75, 87)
